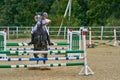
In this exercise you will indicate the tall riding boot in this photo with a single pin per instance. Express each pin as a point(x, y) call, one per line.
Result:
point(32, 39)
point(48, 38)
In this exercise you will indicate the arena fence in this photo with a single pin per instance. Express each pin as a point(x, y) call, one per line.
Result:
point(25, 31)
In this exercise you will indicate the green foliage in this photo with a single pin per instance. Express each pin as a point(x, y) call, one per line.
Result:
point(84, 12)
point(112, 21)
point(100, 10)
point(21, 12)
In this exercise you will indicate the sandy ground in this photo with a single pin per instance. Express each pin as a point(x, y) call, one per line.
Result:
point(103, 60)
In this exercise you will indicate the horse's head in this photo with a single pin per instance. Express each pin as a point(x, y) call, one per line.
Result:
point(39, 18)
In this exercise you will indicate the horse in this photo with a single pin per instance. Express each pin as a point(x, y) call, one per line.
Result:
point(40, 38)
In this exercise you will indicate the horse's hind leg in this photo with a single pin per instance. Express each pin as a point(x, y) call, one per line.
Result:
point(36, 49)
point(36, 56)
point(45, 56)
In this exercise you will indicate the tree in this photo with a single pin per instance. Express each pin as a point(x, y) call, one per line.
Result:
point(78, 12)
point(84, 12)
point(22, 12)
point(100, 10)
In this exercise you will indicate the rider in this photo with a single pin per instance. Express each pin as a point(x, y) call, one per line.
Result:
point(45, 22)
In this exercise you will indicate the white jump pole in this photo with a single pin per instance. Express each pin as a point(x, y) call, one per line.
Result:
point(5, 39)
point(80, 38)
point(8, 31)
point(115, 38)
point(90, 36)
point(101, 32)
point(86, 69)
point(70, 37)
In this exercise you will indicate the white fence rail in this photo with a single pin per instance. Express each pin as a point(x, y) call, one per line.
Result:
point(25, 31)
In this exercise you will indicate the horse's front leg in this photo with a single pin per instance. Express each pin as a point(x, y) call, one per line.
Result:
point(45, 54)
point(36, 54)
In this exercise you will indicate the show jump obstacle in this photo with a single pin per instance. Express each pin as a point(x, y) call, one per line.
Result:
point(103, 37)
point(73, 43)
point(81, 60)
point(3, 40)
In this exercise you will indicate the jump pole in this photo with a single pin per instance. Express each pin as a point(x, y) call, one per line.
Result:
point(115, 38)
point(3, 33)
point(80, 37)
point(69, 39)
point(90, 35)
point(33, 49)
point(41, 59)
point(5, 39)
point(90, 44)
point(101, 32)
point(86, 69)
point(26, 44)
point(47, 51)
point(43, 65)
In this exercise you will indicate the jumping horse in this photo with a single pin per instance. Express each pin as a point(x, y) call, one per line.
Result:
point(40, 38)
